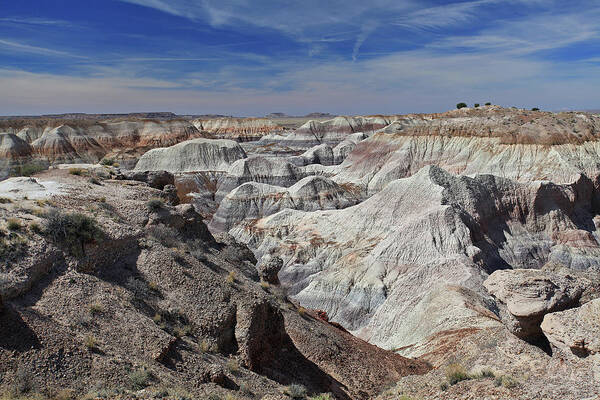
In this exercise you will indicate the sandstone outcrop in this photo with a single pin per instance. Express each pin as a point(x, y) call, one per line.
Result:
point(525, 296)
point(239, 129)
point(13, 152)
point(192, 156)
point(523, 146)
point(332, 131)
point(88, 142)
point(575, 331)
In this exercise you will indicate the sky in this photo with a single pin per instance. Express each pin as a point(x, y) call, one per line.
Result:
point(254, 57)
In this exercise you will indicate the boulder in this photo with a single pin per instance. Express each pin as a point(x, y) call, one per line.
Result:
point(524, 296)
point(576, 331)
point(155, 179)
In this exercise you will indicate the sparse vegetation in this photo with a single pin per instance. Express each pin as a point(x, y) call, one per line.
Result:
point(107, 161)
point(456, 373)
point(72, 230)
point(233, 366)
point(231, 277)
point(95, 308)
point(77, 171)
point(181, 331)
point(13, 224)
point(155, 204)
point(91, 343)
point(322, 396)
point(507, 381)
point(207, 347)
point(140, 378)
point(535, 109)
point(476, 105)
point(28, 169)
point(94, 181)
point(35, 228)
point(461, 105)
point(302, 311)
point(296, 391)
point(5, 200)
point(488, 104)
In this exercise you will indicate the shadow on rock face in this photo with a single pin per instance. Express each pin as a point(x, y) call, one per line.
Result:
point(15, 334)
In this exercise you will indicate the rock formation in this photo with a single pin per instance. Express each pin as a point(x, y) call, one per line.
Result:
point(435, 233)
point(192, 156)
point(575, 332)
point(525, 296)
point(251, 201)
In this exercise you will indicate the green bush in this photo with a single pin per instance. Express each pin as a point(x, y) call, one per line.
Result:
point(461, 105)
point(535, 109)
point(28, 169)
point(488, 104)
point(476, 105)
point(107, 161)
point(72, 230)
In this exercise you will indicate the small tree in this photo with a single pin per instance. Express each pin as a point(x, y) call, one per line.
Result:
point(461, 105)
point(488, 104)
point(476, 105)
point(535, 109)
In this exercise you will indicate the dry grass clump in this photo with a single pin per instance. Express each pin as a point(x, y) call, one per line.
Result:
point(72, 230)
point(231, 278)
point(456, 373)
point(77, 171)
point(140, 378)
point(13, 224)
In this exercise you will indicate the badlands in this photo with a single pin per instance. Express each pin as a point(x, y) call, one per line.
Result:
point(426, 256)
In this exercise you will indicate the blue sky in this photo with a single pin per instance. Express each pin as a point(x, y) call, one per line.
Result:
point(246, 57)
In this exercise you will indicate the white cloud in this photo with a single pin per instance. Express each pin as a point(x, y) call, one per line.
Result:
point(25, 48)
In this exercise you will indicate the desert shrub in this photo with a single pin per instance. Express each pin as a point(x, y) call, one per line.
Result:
point(207, 347)
point(444, 386)
point(28, 169)
point(155, 204)
point(296, 391)
point(302, 311)
point(90, 342)
point(456, 373)
point(488, 104)
point(486, 373)
point(11, 247)
point(72, 230)
point(94, 181)
point(5, 200)
point(165, 235)
point(140, 378)
point(77, 171)
point(95, 308)
point(476, 105)
point(322, 396)
point(181, 331)
point(461, 105)
point(107, 161)
point(231, 277)
point(535, 109)
point(233, 366)
point(14, 224)
point(35, 228)
point(507, 381)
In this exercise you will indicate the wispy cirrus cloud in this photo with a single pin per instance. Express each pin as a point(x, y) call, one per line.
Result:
point(26, 48)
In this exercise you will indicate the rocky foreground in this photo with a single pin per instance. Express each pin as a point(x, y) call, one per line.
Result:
point(439, 256)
